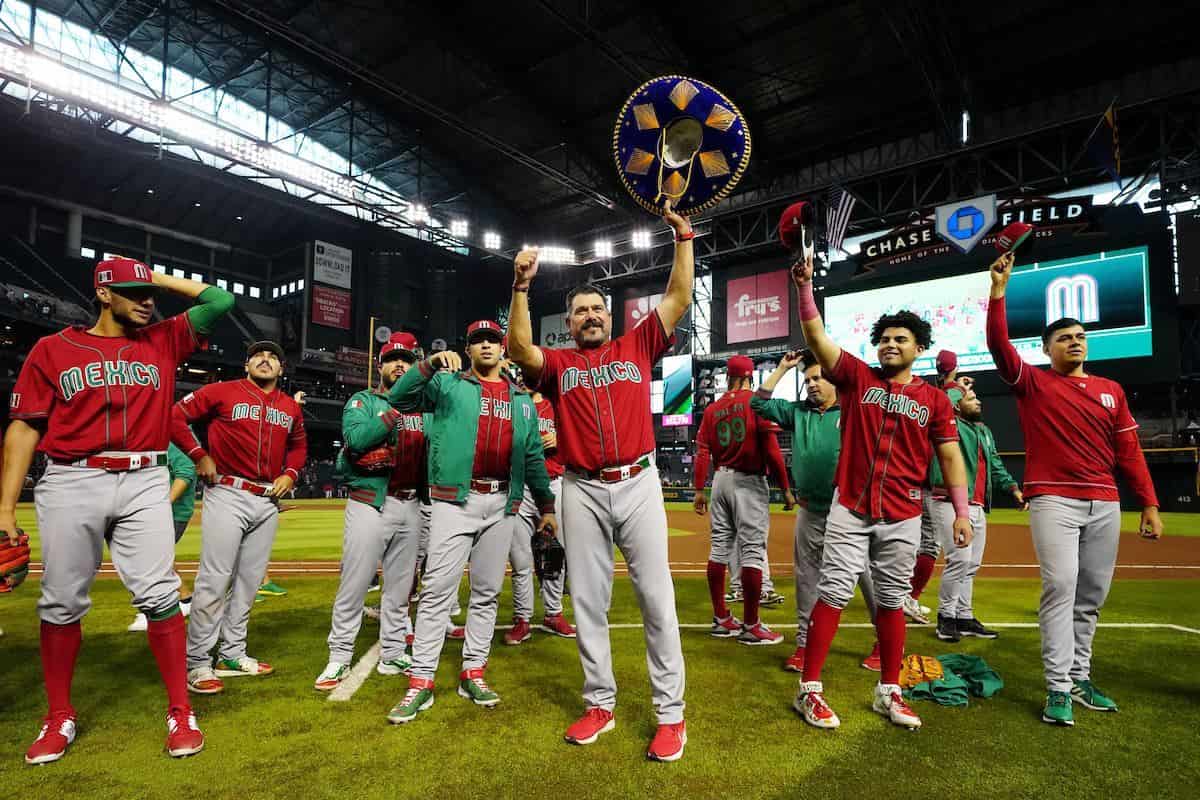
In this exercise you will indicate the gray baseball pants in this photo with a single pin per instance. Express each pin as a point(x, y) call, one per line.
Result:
point(854, 544)
point(237, 531)
point(956, 593)
point(931, 538)
point(388, 534)
point(741, 516)
point(630, 514)
point(78, 509)
point(1076, 543)
point(477, 531)
point(520, 556)
point(808, 554)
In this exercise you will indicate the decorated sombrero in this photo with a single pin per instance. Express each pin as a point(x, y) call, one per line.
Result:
point(682, 139)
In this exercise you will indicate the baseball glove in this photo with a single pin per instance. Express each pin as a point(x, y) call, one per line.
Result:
point(920, 669)
point(381, 459)
point(548, 555)
point(14, 561)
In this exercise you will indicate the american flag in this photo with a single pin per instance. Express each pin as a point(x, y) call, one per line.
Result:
point(838, 205)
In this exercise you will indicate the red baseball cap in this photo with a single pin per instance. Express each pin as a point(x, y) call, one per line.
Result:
point(1013, 236)
point(947, 362)
point(740, 367)
point(122, 273)
point(793, 223)
point(484, 328)
point(399, 345)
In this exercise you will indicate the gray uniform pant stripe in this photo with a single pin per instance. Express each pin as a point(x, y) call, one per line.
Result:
point(852, 544)
point(237, 531)
point(477, 531)
point(741, 516)
point(520, 556)
point(388, 535)
point(809, 549)
point(630, 515)
point(77, 509)
point(1076, 543)
point(955, 595)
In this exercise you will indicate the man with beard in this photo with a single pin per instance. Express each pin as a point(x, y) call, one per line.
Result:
point(892, 423)
point(258, 447)
point(956, 615)
point(816, 444)
point(612, 494)
point(383, 464)
point(97, 402)
point(483, 446)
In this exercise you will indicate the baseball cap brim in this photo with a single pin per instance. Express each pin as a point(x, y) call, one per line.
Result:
point(131, 285)
point(485, 333)
point(259, 347)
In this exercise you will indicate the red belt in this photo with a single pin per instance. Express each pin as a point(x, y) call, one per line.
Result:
point(618, 474)
point(122, 463)
point(483, 486)
point(244, 485)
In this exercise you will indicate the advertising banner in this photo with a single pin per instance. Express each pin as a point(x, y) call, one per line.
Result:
point(330, 307)
point(332, 264)
point(757, 307)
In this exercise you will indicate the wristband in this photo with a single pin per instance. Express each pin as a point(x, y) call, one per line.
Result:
point(808, 304)
point(685, 237)
point(518, 288)
point(958, 499)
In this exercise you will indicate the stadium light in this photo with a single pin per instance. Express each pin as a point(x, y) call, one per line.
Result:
point(418, 214)
point(966, 126)
point(459, 228)
point(640, 240)
point(603, 248)
point(552, 254)
point(491, 240)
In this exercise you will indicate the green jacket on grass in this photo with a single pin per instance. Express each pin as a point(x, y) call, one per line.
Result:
point(452, 400)
point(364, 428)
point(816, 444)
point(976, 441)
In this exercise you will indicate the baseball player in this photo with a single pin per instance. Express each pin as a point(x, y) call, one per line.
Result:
point(483, 447)
point(383, 463)
point(97, 402)
point(816, 444)
point(182, 473)
point(520, 555)
point(744, 449)
point(769, 596)
point(892, 422)
point(611, 493)
point(1078, 432)
point(256, 449)
point(956, 615)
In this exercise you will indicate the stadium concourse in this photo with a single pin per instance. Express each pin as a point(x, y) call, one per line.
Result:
point(396, 380)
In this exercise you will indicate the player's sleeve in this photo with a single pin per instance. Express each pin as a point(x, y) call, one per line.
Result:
point(179, 466)
point(1131, 461)
point(768, 440)
point(363, 430)
point(33, 395)
point(849, 372)
point(536, 476)
point(211, 304)
point(196, 406)
point(651, 338)
point(943, 426)
point(779, 411)
point(1012, 368)
point(417, 389)
point(1001, 477)
point(553, 361)
point(297, 446)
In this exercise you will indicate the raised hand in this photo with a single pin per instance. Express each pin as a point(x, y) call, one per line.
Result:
point(447, 360)
point(790, 360)
point(525, 267)
point(1001, 270)
point(680, 224)
point(802, 271)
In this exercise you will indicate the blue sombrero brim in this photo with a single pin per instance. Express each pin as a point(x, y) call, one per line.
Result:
point(717, 167)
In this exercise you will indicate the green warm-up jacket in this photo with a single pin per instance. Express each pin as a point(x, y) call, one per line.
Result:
point(816, 443)
point(975, 439)
point(452, 400)
point(364, 429)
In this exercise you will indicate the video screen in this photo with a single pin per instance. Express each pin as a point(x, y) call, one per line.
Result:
point(677, 390)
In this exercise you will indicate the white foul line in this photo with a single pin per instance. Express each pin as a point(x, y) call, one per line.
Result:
point(358, 675)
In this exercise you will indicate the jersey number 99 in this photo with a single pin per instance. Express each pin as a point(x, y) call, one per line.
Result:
point(732, 430)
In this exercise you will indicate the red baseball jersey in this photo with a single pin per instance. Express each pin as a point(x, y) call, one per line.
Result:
point(731, 432)
point(602, 397)
point(101, 393)
point(548, 424)
point(494, 441)
point(409, 471)
point(252, 434)
point(1078, 430)
point(888, 434)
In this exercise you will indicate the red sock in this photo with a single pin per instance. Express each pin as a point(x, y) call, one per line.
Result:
point(921, 574)
point(60, 648)
point(716, 589)
point(168, 642)
point(751, 593)
point(822, 625)
point(889, 625)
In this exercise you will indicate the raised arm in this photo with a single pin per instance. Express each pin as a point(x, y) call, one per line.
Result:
point(1008, 360)
point(521, 348)
point(824, 348)
point(417, 389)
point(678, 294)
point(781, 412)
point(213, 302)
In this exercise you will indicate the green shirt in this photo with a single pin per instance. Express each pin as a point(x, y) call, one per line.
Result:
point(816, 444)
point(364, 429)
point(181, 468)
point(975, 440)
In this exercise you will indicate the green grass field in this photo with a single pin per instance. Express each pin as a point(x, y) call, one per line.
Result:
point(276, 738)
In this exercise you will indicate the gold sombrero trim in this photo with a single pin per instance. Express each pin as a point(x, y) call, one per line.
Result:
point(743, 159)
point(720, 117)
point(713, 163)
point(639, 162)
point(647, 120)
point(682, 94)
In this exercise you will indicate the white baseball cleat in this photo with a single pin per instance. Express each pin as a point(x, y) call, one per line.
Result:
point(334, 673)
point(810, 703)
point(889, 702)
point(915, 611)
point(140, 623)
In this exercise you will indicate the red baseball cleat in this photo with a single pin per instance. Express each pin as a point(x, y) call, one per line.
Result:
point(872, 661)
point(58, 731)
point(668, 742)
point(759, 634)
point(796, 662)
point(588, 728)
point(458, 632)
point(519, 632)
point(183, 735)
point(558, 625)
